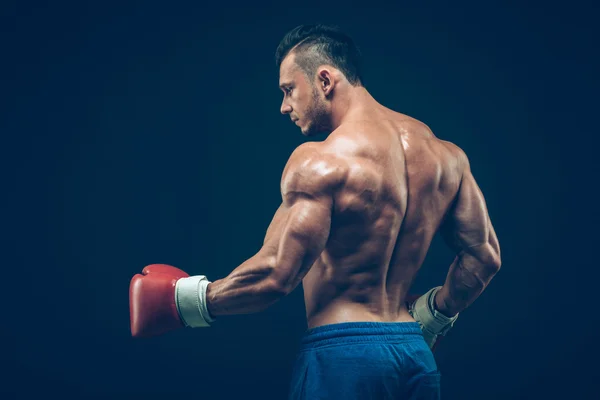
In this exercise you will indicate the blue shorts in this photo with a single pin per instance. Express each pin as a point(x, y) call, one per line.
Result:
point(365, 360)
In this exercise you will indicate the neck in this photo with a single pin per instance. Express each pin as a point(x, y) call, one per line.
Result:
point(351, 105)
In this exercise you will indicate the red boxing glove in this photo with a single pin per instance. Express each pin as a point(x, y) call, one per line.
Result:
point(152, 308)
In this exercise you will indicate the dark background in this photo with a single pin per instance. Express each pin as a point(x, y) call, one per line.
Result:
point(144, 132)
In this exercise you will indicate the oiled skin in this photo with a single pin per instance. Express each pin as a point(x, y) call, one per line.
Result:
point(359, 211)
point(401, 181)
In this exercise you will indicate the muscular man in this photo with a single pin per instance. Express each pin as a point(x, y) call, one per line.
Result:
point(358, 213)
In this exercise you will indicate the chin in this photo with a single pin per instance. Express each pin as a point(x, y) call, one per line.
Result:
point(306, 133)
point(310, 132)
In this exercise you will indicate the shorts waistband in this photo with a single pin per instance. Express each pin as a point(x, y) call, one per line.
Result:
point(357, 332)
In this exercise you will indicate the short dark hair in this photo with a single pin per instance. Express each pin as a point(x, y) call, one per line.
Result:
point(316, 44)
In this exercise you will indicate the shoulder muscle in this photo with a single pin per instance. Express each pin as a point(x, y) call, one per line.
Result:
point(312, 172)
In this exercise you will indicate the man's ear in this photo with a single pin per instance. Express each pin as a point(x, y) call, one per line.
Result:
point(327, 81)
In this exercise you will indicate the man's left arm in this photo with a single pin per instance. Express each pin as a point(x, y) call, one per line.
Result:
point(163, 297)
point(295, 238)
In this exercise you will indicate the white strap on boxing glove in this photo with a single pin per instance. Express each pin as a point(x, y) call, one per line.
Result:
point(190, 299)
point(432, 322)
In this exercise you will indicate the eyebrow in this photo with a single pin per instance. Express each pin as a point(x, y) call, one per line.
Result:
point(284, 84)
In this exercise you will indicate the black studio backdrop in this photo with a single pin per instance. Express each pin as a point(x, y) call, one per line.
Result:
point(140, 132)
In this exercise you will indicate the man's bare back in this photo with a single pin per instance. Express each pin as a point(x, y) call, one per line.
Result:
point(399, 182)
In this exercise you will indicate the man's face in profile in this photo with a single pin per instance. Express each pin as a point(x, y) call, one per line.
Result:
point(301, 99)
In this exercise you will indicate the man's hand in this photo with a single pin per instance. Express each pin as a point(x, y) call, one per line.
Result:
point(432, 322)
point(164, 298)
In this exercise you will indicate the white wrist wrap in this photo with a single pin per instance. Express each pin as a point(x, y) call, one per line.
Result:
point(190, 299)
point(432, 322)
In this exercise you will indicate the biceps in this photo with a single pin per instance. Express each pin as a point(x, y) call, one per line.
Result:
point(275, 226)
point(303, 238)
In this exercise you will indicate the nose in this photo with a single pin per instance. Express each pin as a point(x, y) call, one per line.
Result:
point(285, 108)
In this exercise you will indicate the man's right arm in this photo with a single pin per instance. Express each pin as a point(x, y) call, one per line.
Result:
point(468, 230)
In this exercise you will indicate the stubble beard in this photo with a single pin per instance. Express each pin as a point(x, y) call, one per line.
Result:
point(317, 116)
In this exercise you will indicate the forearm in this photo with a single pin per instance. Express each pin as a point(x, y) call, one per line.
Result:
point(249, 288)
point(469, 275)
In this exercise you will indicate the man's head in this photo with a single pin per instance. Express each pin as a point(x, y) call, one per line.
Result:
point(316, 63)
